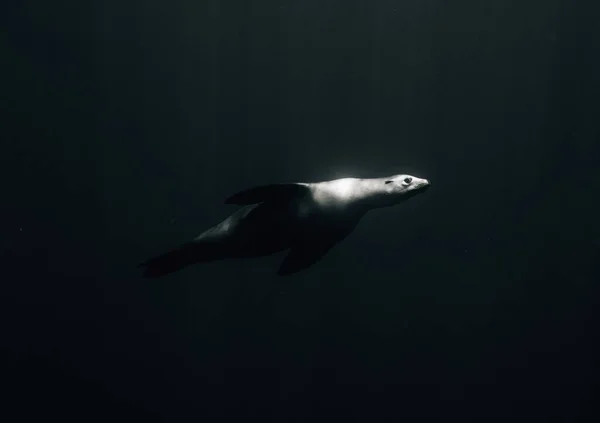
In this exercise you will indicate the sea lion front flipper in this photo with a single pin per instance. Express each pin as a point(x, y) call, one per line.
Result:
point(306, 252)
point(273, 192)
point(299, 258)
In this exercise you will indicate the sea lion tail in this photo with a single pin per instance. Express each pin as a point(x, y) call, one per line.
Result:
point(180, 257)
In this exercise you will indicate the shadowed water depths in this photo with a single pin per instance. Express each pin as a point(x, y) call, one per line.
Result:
point(127, 123)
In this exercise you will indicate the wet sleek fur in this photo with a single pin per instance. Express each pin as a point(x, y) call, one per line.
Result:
point(306, 218)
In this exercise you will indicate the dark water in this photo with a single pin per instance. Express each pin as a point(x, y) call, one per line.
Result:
point(127, 123)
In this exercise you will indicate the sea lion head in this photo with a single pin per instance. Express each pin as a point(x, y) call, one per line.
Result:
point(398, 188)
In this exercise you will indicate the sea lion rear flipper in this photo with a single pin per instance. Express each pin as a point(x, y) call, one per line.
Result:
point(180, 257)
point(273, 192)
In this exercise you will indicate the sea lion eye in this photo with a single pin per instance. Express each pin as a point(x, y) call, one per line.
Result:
point(407, 180)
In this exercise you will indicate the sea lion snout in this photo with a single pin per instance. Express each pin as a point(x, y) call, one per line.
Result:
point(422, 185)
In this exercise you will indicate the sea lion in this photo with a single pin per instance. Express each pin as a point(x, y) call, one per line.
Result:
point(306, 218)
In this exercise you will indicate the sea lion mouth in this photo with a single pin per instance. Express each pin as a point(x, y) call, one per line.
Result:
point(425, 186)
point(417, 190)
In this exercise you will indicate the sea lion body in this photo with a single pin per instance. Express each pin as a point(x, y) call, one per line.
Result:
point(306, 218)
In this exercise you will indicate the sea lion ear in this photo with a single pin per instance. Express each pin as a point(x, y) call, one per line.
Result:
point(389, 181)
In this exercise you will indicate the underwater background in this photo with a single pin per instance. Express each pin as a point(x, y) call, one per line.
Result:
point(128, 123)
